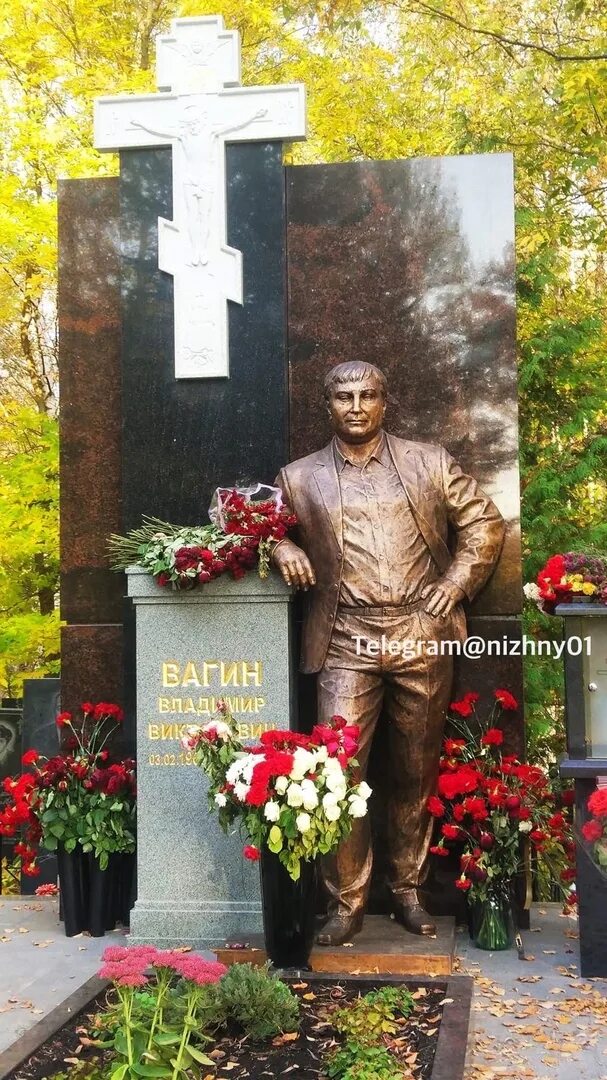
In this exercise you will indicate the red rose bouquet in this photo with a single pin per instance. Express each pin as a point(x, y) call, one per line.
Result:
point(487, 802)
point(80, 796)
point(594, 830)
point(239, 538)
point(295, 794)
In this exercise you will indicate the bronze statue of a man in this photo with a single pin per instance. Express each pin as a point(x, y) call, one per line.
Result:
point(373, 515)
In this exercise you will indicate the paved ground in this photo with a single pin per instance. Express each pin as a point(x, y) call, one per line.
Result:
point(537, 1018)
point(39, 966)
point(534, 1019)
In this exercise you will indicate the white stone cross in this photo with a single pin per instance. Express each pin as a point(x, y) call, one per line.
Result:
point(196, 117)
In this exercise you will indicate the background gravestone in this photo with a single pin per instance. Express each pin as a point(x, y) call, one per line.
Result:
point(41, 705)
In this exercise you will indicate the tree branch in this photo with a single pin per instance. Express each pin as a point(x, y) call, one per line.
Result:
point(504, 39)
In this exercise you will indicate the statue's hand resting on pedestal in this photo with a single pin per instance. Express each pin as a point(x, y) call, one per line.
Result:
point(294, 565)
point(441, 597)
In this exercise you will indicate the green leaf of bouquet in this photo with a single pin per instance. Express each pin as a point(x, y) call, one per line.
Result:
point(120, 1072)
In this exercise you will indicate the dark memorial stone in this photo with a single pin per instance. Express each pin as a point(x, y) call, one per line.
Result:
point(90, 424)
point(181, 439)
point(41, 704)
point(410, 265)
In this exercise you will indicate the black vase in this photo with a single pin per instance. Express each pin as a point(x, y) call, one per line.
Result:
point(73, 890)
point(93, 899)
point(288, 911)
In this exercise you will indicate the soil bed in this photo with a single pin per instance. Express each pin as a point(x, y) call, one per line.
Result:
point(302, 1055)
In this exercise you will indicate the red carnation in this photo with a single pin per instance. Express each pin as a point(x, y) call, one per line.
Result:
point(29, 757)
point(465, 706)
point(64, 719)
point(253, 854)
point(453, 746)
point(439, 850)
point(492, 737)
point(435, 806)
point(506, 700)
point(463, 883)
point(451, 832)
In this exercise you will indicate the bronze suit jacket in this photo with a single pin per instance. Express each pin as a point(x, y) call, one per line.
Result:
point(440, 495)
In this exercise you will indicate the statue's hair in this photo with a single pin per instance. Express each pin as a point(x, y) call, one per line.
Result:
point(354, 371)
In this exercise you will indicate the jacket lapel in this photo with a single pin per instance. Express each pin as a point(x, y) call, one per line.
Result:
point(406, 466)
point(325, 475)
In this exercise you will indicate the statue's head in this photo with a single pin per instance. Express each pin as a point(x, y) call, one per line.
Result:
point(355, 393)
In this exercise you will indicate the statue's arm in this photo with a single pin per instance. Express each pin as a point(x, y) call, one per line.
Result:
point(152, 131)
point(287, 556)
point(478, 524)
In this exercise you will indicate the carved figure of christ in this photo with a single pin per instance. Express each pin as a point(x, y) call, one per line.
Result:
point(200, 143)
point(193, 247)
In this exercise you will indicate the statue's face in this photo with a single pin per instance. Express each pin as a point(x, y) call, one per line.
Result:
point(357, 410)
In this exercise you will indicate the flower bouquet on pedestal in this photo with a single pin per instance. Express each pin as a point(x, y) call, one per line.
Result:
point(245, 523)
point(493, 808)
point(80, 804)
point(296, 797)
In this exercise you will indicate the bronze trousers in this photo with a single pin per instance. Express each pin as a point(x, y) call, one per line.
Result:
point(414, 692)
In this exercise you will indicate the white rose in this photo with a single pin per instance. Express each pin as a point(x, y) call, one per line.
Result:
point(364, 790)
point(271, 811)
point(220, 799)
point(332, 765)
point(525, 826)
point(322, 754)
point(310, 794)
point(240, 790)
point(357, 808)
point(281, 784)
point(333, 812)
point(330, 799)
point(303, 822)
point(295, 795)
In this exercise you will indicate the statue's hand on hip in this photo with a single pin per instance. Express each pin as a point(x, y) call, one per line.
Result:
point(294, 565)
point(441, 597)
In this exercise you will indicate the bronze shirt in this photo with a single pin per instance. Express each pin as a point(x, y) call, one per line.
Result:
point(386, 559)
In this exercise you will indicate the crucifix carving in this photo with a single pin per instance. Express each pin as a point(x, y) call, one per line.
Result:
point(201, 106)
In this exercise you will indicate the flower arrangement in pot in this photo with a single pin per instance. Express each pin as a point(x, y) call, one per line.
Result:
point(572, 577)
point(81, 804)
point(296, 797)
point(493, 809)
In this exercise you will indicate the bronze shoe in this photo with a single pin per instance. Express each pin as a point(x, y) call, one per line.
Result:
point(340, 928)
point(411, 915)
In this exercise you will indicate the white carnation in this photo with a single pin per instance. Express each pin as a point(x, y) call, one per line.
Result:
point(271, 811)
point(295, 795)
point(281, 784)
point(240, 790)
point(525, 826)
point(220, 799)
point(303, 822)
point(322, 754)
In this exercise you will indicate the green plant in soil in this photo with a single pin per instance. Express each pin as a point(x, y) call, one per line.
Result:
point(356, 1062)
point(374, 1015)
point(366, 1024)
point(253, 1000)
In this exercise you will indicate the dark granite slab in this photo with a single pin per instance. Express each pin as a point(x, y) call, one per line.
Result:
point(91, 666)
point(183, 438)
point(90, 408)
point(410, 265)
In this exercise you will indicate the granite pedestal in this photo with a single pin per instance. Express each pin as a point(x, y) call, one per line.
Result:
point(228, 640)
